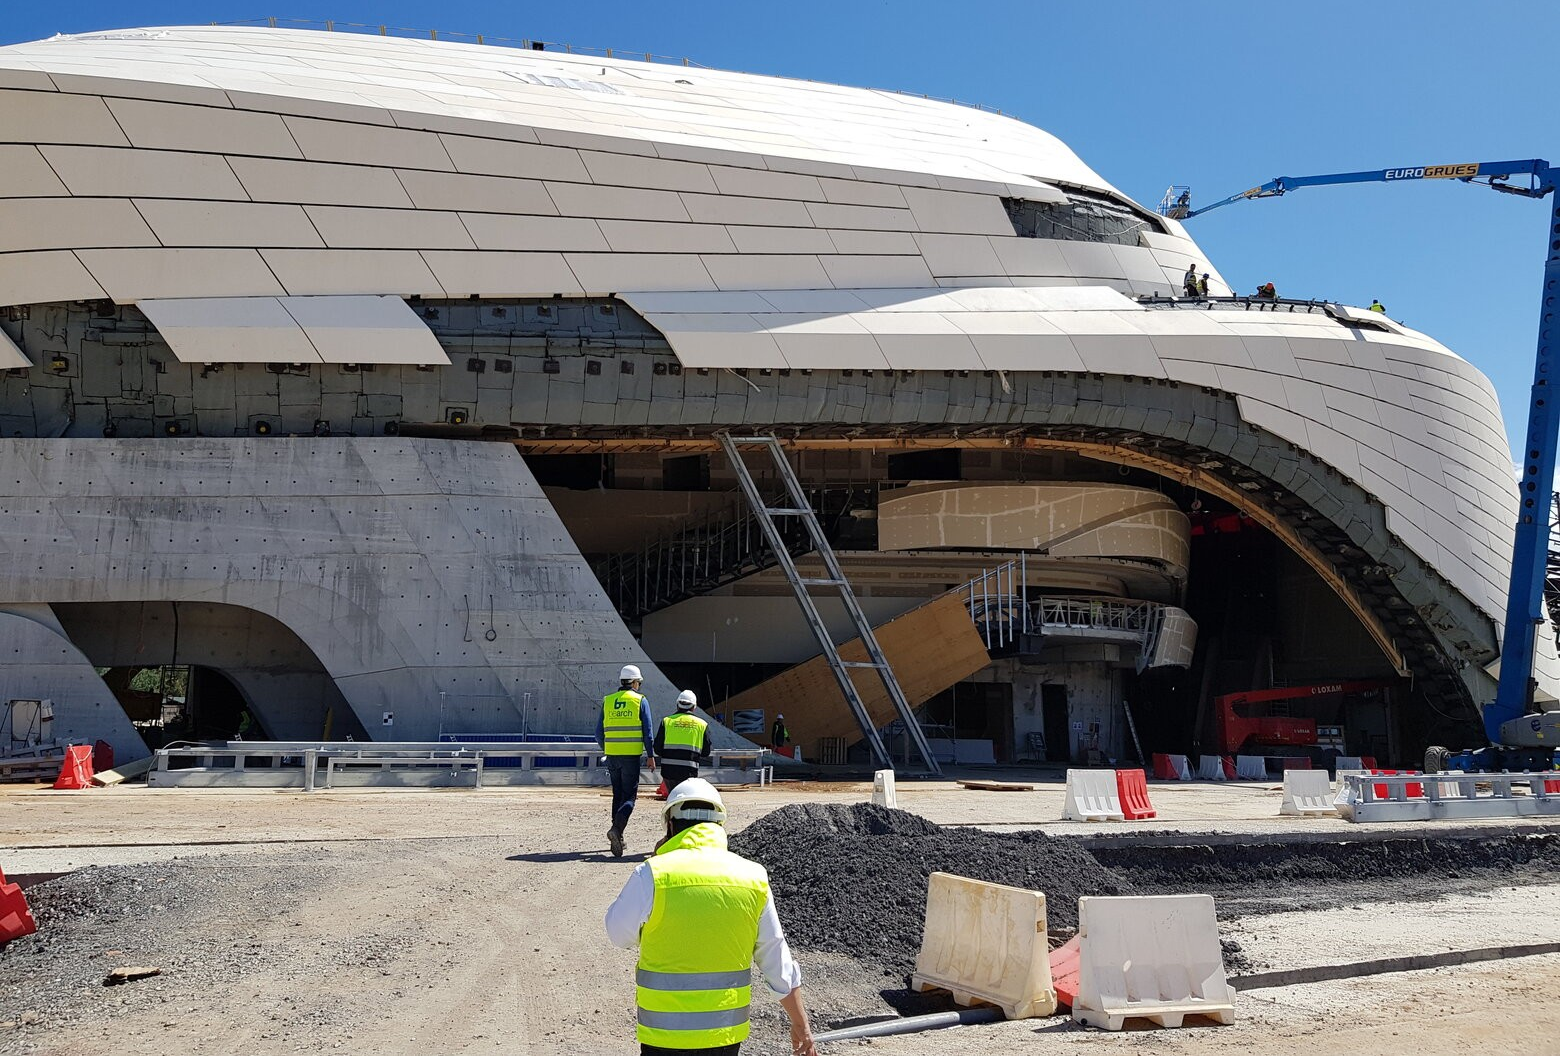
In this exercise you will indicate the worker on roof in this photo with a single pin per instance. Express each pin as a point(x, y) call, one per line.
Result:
point(1202, 286)
point(682, 742)
point(624, 732)
point(1189, 280)
point(1267, 292)
point(702, 917)
point(1377, 306)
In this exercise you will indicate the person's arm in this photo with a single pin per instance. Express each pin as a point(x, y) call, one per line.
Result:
point(704, 749)
point(660, 741)
point(644, 727)
point(601, 727)
point(631, 909)
point(801, 1031)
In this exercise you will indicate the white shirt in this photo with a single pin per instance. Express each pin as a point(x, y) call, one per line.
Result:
point(628, 914)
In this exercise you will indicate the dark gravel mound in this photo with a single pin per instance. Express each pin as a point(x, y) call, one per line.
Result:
point(852, 880)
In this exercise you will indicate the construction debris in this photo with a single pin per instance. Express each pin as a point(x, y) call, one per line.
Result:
point(997, 786)
point(128, 974)
point(853, 879)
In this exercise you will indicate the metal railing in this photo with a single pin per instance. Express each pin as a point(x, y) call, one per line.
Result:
point(723, 546)
point(1249, 303)
point(1426, 797)
point(312, 765)
point(1005, 613)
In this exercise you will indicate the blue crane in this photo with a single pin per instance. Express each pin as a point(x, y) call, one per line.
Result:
point(1519, 739)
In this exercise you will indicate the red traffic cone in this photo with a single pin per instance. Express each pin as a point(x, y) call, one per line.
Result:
point(660, 793)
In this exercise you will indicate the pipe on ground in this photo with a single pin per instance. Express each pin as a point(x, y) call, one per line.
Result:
point(912, 1024)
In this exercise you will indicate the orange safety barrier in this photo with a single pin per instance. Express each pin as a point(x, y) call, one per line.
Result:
point(1551, 786)
point(102, 757)
point(1163, 770)
point(16, 919)
point(1368, 762)
point(76, 770)
point(1413, 790)
point(661, 792)
point(1132, 790)
point(1065, 968)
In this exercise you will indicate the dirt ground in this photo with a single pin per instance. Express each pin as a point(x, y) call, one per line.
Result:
point(470, 922)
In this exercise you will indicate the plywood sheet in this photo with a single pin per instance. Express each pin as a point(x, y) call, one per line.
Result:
point(930, 648)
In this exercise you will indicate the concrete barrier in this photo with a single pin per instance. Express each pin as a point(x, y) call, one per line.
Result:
point(1250, 768)
point(1307, 792)
point(1210, 768)
point(883, 792)
point(986, 943)
point(1092, 796)
point(1150, 957)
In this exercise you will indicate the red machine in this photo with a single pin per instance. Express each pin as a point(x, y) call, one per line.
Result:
point(1244, 719)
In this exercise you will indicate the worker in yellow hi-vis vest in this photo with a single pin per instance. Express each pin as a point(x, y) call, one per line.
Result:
point(703, 918)
point(624, 733)
point(682, 742)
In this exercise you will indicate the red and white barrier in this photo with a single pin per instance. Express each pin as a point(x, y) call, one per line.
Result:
point(1092, 796)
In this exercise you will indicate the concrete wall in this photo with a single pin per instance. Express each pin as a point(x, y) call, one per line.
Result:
point(406, 567)
point(1093, 695)
point(38, 660)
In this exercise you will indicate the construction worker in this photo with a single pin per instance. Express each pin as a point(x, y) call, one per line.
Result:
point(779, 734)
point(1377, 306)
point(682, 742)
point(702, 917)
point(1267, 292)
point(1189, 281)
point(1202, 286)
point(624, 732)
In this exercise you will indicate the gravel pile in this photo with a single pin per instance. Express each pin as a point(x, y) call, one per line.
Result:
point(852, 880)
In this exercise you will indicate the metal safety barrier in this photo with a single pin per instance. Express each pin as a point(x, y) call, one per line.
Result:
point(312, 766)
point(1452, 795)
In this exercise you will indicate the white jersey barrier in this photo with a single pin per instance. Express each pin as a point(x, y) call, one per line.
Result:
point(1151, 957)
point(1344, 799)
point(1307, 792)
point(1250, 768)
point(883, 792)
point(1171, 768)
point(1092, 796)
point(1348, 762)
point(1210, 768)
point(986, 942)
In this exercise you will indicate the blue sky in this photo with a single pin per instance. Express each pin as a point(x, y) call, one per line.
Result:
point(1217, 95)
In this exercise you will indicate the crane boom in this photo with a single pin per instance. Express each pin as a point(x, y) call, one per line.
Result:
point(1506, 720)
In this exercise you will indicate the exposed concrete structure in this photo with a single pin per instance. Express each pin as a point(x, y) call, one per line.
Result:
point(223, 249)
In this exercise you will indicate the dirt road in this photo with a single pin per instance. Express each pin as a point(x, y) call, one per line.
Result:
point(470, 923)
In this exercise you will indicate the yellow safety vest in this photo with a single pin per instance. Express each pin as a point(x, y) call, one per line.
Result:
point(621, 728)
point(696, 951)
point(682, 735)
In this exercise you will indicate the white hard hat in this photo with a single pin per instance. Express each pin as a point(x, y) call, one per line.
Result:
point(687, 701)
point(694, 800)
point(630, 673)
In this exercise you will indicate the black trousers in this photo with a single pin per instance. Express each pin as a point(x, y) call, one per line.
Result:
point(624, 770)
point(719, 1050)
point(674, 774)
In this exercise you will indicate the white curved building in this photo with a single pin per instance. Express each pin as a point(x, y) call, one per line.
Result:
point(264, 293)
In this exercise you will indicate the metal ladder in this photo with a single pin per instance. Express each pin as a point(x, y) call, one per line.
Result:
point(801, 508)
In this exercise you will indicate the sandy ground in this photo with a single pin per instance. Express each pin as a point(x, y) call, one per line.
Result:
point(469, 922)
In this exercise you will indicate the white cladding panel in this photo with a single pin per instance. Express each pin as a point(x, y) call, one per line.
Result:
point(294, 330)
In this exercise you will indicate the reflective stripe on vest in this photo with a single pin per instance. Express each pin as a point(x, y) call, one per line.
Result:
point(696, 949)
point(621, 728)
point(681, 738)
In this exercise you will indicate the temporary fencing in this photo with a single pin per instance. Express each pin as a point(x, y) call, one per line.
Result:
point(16, 918)
point(1092, 796)
point(1379, 796)
point(1132, 793)
point(1307, 792)
point(1150, 957)
point(986, 942)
